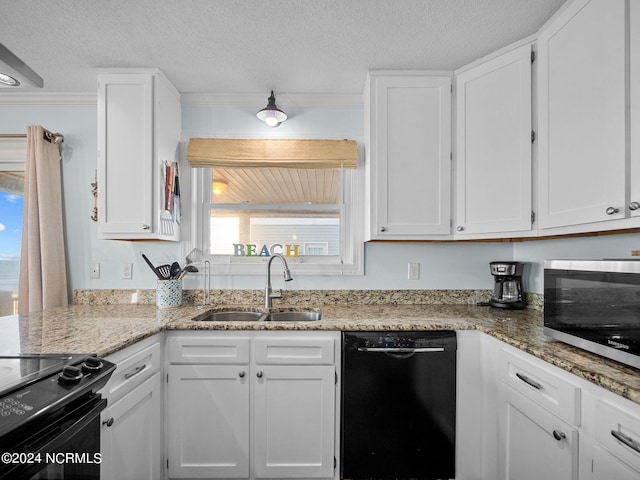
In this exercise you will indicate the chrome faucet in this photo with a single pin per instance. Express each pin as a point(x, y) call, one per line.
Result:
point(268, 292)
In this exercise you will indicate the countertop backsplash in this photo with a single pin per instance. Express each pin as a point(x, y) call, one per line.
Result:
point(315, 298)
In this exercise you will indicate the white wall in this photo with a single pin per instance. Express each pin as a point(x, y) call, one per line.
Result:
point(78, 124)
point(443, 265)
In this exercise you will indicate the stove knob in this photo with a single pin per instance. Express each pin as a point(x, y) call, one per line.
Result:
point(70, 374)
point(92, 365)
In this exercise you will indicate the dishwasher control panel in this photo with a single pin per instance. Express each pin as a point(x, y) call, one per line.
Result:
point(377, 340)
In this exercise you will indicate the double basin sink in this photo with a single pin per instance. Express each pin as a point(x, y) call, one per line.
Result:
point(232, 315)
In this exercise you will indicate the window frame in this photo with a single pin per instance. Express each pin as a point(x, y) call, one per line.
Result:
point(350, 262)
point(13, 158)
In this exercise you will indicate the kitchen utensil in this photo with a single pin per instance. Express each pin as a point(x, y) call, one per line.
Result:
point(166, 219)
point(155, 270)
point(187, 269)
point(175, 270)
point(194, 256)
point(164, 271)
point(177, 204)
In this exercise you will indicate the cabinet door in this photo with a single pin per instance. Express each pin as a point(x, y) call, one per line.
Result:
point(533, 443)
point(294, 418)
point(208, 427)
point(125, 154)
point(582, 114)
point(131, 435)
point(410, 157)
point(493, 155)
point(608, 467)
point(634, 201)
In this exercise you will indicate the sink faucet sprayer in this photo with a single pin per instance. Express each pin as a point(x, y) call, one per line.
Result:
point(268, 292)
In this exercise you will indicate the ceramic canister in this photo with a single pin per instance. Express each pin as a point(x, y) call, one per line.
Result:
point(169, 293)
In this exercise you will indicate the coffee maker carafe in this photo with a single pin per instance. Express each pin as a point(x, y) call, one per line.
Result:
point(507, 291)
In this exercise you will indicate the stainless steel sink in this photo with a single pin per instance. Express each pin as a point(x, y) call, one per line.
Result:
point(306, 316)
point(232, 316)
point(257, 316)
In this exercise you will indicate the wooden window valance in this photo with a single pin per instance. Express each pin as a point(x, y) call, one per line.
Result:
point(279, 153)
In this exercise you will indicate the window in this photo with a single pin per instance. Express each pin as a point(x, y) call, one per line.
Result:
point(12, 157)
point(308, 215)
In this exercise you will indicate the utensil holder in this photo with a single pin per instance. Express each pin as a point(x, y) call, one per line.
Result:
point(169, 293)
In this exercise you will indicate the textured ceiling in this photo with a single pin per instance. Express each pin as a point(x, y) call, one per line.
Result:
point(252, 46)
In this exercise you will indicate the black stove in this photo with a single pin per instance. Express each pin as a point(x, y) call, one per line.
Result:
point(50, 405)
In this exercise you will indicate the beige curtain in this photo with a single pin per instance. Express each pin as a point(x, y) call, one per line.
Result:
point(43, 274)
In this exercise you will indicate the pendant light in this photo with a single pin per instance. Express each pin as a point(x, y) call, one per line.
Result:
point(271, 114)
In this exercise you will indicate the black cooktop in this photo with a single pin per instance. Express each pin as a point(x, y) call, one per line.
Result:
point(22, 370)
point(33, 386)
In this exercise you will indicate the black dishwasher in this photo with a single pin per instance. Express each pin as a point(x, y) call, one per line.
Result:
point(398, 405)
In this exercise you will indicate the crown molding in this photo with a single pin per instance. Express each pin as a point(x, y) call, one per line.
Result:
point(51, 99)
point(191, 99)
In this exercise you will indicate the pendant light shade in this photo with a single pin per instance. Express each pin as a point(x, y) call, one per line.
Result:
point(271, 114)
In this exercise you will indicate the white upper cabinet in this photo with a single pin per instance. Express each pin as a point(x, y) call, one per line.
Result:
point(581, 84)
point(493, 147)
point(139, 127)
point(408, 130)
point(634, 200)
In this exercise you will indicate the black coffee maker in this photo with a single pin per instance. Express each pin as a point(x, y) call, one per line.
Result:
point(507, 291)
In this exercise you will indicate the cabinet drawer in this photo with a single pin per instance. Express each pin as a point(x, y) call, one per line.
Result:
point(618, 431)
point(132, 370)
point(209, 349)
point(294, 350)
point(554, 392)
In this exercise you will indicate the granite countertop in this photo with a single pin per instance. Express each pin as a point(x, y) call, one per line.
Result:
point(105, 329)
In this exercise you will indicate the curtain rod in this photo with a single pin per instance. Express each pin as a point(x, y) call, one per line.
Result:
point(48, 136)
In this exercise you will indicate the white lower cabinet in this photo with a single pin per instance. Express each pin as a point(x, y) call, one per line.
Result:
point(617, 440)
point(208, 421)
point(538, 418)
point(257, 405)
point(293, 419)
point(131, 434)
point(534, 443)
point(551, 424)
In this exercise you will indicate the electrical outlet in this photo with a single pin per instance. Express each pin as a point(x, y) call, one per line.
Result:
point(414, 271)
point(95, 271)
point(127, 271)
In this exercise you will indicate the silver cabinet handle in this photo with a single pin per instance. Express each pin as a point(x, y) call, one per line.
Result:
point(528, 381)
point(460, 229)
point(146, 227)
point(127, 376)
point(383, 229)
point(108, 422)
point(259, 374)
point(634, 206)
point(401, 350)
point(625, 439)
point(612, 211)
point(241, 374)
point(559, 435)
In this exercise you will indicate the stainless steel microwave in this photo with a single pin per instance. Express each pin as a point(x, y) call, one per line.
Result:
point(595, 305)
